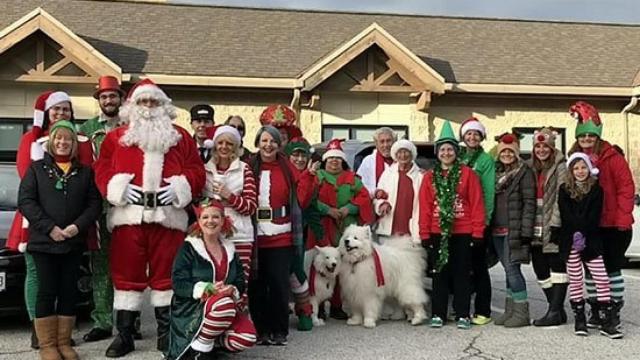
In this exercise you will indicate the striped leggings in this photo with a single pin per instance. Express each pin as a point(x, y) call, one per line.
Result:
point(576, 277)
point(244, 250)
point(232, 330)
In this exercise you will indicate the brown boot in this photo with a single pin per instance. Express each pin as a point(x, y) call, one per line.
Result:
point(65, 327)
point(47, 332)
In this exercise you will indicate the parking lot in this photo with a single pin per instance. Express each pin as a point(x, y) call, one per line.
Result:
point(398, 340)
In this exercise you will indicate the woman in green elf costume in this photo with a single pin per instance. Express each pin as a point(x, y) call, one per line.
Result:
point(452, 218)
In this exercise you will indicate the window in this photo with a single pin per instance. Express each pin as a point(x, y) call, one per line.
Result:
point(11, 131)
point(526, 141)
point(358, 132)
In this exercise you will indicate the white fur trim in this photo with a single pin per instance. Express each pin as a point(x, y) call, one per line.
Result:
point(56, 98)
point(226, 129)
point(198, 289)
point(403, 144)
point(161, 298)
point(182, 188)
point(579, 155)
point(334, 153)
point(198, 345)
point(127, 300)
point(117, 187)
point(264, 193)
point(198, 245)
point(559, 278)
point(151, 91)
point(167, 216)
point(22, 247)
point(37, 151)
point(208, 143)
point(473, 125)
point(153, 164)
point(269, 228)
point(38, 118)
point(25, 223)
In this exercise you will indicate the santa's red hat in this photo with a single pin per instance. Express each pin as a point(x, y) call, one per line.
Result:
point(472, 123)
point(334, 149)
point(44, 102)
point(147, 89)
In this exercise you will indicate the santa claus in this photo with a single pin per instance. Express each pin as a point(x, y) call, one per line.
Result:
point(149, 171)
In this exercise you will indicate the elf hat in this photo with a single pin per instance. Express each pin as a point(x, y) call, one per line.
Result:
point(62, 124)
point(547, 136)
point(298, 144)
point(588, 119)
point(508, 141)
point(334, 149)
point(447, 136)
point(403, 144)
point(147, 89)
point(44, 102)
point(582, 156)
point(474, 124)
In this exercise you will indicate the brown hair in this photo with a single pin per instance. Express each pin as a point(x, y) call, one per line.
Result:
point(597, 148)
point(539, 165)
point(74, 142)
point(573, 188)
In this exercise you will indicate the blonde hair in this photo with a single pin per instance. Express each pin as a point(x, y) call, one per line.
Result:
point(236, 148)
point(74, 142)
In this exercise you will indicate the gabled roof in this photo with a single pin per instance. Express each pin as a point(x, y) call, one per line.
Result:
point(86, 56)
point(186, 40)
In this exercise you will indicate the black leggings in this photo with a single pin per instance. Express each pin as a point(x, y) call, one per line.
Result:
point(455, 277)
point(546, 263)
point(57, 283)
point(269, 292)
point(481, 281)
point(615, 243)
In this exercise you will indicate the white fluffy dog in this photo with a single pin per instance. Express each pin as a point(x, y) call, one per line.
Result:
point(321, 265)
point(403, 267)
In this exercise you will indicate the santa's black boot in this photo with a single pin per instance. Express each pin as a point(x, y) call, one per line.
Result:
point(608, 328)
point(580, 324)
point(163, 318)
point(123, 342)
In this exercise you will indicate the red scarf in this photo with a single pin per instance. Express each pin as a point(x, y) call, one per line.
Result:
point(62, 158)
point(380, 165)
point(378, 266)
point(312, 280)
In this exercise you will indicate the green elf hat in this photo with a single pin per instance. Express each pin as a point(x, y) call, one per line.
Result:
point(588, 119)
point(298, 144)
point(447, 136)
point(62, 124)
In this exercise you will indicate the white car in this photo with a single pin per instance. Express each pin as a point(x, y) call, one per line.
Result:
point(633, 252)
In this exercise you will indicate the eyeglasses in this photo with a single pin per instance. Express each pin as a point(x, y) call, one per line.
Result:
point(588, 135)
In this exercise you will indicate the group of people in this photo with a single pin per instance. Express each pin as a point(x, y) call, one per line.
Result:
point(218, 234)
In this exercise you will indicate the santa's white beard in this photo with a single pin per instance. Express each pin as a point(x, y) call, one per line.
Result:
point(150, 128)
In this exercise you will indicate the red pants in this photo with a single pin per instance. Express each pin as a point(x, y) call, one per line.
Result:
point(142, 256)
point(222, 323)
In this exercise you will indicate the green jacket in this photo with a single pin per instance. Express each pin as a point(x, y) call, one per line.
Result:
point(192, 264)
point(485, 167)
point(96, 131)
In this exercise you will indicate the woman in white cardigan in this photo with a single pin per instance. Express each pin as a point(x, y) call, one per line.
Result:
point(396, 196)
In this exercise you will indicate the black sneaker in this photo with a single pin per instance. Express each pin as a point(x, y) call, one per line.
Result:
point(97, 334)
point(263, 340)
point(279, 340)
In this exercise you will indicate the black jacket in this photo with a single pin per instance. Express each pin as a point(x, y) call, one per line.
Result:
point(78, 202)
point(580, 215)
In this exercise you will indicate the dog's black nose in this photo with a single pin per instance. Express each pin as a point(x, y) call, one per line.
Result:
point(346, 242)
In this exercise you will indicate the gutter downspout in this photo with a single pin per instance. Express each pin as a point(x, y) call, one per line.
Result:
point(633, 102)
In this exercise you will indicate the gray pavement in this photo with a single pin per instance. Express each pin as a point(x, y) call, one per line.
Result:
point(399, 340)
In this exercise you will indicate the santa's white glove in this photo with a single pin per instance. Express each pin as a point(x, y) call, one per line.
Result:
point(167, 194)
point(133, 193)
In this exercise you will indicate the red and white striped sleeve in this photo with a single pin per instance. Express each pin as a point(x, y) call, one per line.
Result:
point(247, 202)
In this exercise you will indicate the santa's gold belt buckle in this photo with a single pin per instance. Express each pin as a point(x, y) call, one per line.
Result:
point(264, 214)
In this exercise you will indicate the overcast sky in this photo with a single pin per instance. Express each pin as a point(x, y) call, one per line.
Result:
point(612, 11)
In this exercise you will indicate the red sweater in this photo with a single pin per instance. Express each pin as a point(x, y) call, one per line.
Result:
point(469, 206)
point(617, 183)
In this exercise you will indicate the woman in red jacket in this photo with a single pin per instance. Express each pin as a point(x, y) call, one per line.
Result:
point(617, 183)
point(451, 218)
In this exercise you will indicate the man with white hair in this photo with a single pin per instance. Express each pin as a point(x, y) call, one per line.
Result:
point(374, 164)
point(149, 170)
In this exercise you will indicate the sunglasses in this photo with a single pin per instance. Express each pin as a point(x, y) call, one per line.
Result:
point(588, 135)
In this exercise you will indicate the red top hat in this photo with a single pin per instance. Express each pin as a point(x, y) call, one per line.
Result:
point(108, 83)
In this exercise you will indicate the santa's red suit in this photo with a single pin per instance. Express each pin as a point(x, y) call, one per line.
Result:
point(146, 235)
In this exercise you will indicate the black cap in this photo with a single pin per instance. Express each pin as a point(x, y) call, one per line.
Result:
point(202, 112)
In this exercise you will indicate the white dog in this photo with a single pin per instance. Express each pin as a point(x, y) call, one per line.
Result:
point(402, 267)
point(321, 265)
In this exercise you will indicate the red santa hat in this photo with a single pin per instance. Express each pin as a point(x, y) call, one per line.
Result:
point(44, 102)
point(587, 160)
point(215, 131)
point(334, 149)
point(474, 124)
point(147, 89)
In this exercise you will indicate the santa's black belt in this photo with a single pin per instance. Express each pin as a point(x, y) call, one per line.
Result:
point(149, 199)
point(268, 214)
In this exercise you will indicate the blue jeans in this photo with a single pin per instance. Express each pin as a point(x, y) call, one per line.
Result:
point(515, 279)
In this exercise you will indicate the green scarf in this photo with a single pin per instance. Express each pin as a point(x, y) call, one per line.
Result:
point(446, 187)
point(470, 160)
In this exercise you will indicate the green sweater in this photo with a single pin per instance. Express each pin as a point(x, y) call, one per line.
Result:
point(485, 167)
